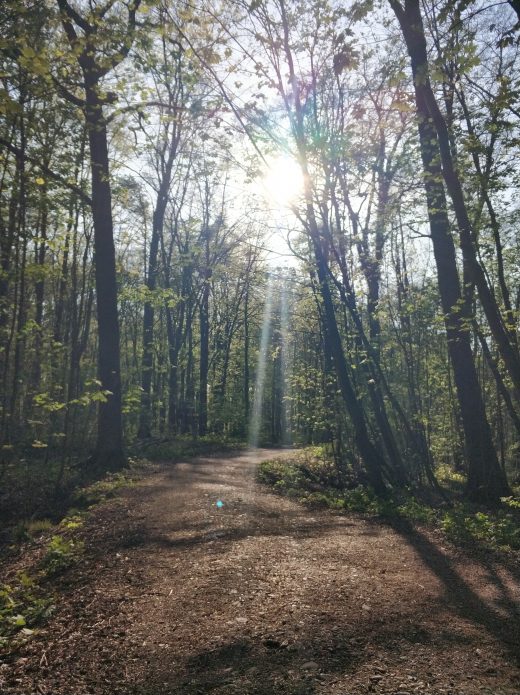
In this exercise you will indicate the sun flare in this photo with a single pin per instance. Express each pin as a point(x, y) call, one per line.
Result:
point(282, 182)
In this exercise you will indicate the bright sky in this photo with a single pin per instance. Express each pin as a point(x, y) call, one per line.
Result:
point(280, 186)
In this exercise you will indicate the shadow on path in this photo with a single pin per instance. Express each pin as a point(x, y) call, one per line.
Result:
point(462, 599)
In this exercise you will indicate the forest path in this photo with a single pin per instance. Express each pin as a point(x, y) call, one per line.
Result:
point(262, 596)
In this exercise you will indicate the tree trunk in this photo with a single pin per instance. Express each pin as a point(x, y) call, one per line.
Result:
point(413, 31)
point(372, 459)
point(246, 358)
point(204, 359)
point(145, 415)
point(486, 480)
point(109, 446)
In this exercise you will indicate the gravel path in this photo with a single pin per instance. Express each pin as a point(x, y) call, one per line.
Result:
point(177, 596)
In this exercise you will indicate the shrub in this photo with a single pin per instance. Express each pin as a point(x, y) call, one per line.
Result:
point(61, 554)
point(413, 510)
point(497, 529)
point(22, 607)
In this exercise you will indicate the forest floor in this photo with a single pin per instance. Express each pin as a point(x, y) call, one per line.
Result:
point(175, 596)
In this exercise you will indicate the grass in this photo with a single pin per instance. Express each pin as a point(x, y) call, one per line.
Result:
point(309, 478)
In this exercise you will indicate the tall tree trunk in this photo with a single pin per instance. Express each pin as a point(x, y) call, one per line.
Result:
point(39, 294)
point(483, 177)
point(7, 326)
point(145, 415)
point(374, 462)
point(246, 357)
point(109, 445)
point(204, 358)
point(413, 30)
point(486, 480)
point(372, 459)
point(95, 61)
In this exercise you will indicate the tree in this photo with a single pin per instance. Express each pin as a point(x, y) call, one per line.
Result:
point(486, 479)
point(92, 40)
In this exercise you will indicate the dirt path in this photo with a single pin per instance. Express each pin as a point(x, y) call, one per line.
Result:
point(178, 597)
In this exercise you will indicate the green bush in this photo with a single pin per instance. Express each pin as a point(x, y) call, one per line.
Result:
point(413, 510)
point(322, 500)
point(280, 474)
point(72, 521)
point(309, 477)
point(61, 554)
point(500, 529)
point(23, 606)
point(361, 499)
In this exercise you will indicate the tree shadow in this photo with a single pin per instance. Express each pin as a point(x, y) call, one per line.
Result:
point(322, 653)
point(177, 535)
point(462, 598)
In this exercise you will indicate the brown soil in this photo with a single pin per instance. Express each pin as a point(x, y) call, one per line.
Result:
point(177, 597)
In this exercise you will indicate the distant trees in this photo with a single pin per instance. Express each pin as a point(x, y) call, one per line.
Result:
point(88, 238)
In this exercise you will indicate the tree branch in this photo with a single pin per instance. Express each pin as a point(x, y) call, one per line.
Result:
point(69, 15)
point(19, 154)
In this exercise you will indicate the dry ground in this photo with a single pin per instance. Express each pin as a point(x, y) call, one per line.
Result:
point(177, 597)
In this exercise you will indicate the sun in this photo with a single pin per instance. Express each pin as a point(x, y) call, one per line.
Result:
point(282, 182)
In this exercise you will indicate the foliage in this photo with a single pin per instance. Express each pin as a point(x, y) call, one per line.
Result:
point(61, 554)
point(451, 479)
point(309, 476)
point(72, 522)
point(181, 448)
point(498, 529)
point(23, 606)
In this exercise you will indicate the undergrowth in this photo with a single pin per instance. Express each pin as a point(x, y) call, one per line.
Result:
point(23, 606)
point(25, 601)
point(309, 477)
point(107, 487)
point(185, 447)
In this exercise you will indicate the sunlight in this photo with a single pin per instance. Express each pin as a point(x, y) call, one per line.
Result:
point(282, 182)
point(255, 425)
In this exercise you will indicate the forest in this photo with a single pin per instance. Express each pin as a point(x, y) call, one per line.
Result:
point(281, 229)
point(135, 243)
